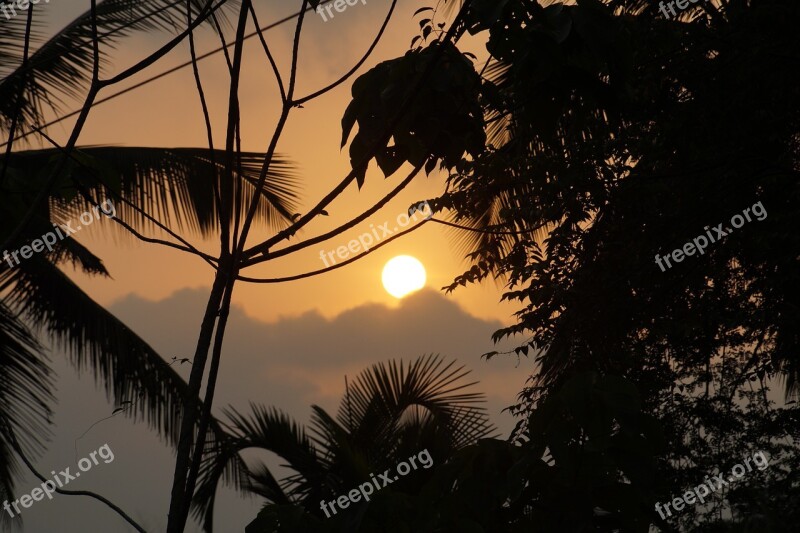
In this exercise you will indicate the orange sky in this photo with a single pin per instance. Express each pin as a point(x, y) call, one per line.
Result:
point(288, 345)
point(167, 113)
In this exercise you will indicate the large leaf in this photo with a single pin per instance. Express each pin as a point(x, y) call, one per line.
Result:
point(25, 396)
point(174, 185)
point(266, 429)
point(443, 120)
point(130, 370)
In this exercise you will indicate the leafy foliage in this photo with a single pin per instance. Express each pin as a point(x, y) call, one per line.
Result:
point(587, 464)
point(614, 134)
point(616, 160)
point(391, 411)
point(172, 185)
point(443, 123)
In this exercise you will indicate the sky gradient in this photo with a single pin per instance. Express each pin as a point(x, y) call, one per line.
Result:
point(288, 345)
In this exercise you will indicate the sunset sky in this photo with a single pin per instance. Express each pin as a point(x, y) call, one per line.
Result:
point(288, 345)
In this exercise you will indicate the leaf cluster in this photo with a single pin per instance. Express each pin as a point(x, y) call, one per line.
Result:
point(444, 122)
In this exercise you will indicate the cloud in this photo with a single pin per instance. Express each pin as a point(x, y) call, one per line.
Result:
point(299, 361)
point(290, 363)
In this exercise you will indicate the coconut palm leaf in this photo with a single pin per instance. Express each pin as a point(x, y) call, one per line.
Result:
point(61, 66)
point(128, 367)
point(173, 185)
point(25, 396)
point(266, 429)
point(130, 370)
point(390, 412)
point(380, 397)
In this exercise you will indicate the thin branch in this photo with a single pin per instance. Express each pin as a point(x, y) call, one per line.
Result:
point(344, 227)
point(264, 246)
point(477, 230)
point(269, 55)
point(287, 106)
point(225, 45)
point(95, 47)
point(17, 448)
point(187, 248)
point(296, 51)
point(334, 267)
point(159, 76)
point(112, 415)
point(357, 66)
point(164, 50)
point(199, 84)
point(207, 118)
point(234, 118)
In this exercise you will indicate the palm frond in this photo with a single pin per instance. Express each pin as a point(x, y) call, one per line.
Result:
point(392, 411)
point(173, 185)
point(428, 382)
point(61, 66)
point(266, 429)
point(95, 340)
point(25, 396)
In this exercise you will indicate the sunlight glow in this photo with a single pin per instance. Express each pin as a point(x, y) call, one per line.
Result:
point(403, 275)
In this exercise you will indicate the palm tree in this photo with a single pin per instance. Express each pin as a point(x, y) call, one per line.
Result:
point(177, 187)
point(391, 412)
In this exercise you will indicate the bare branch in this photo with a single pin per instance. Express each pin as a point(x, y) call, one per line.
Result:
point(269, 55)
point(164, 50)
point(453, 32)
point(17, 448)
point(344, 227)
point(334, 267)
point(356, 67)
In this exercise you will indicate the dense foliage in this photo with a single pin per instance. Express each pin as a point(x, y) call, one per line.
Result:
point(615, 134)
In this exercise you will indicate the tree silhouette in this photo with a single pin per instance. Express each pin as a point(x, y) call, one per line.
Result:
point(390, 412)
point(615, 134)
point(237, 198)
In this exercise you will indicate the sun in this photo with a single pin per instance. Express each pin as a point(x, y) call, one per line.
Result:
point(403, 275)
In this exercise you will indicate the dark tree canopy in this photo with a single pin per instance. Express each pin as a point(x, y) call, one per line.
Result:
point(615, 136)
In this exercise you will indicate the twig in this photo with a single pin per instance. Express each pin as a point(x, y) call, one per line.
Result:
point(12, 437)
point(334, 267)
point(271, 59)
point(357, 65)
point(336, 231)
